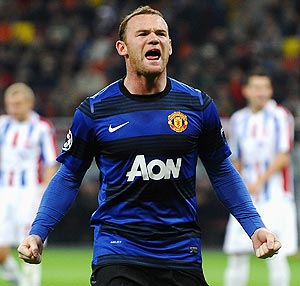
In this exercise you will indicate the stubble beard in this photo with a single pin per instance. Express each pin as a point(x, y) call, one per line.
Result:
point(150, 71)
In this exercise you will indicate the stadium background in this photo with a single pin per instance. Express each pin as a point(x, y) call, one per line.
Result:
point(65, 51)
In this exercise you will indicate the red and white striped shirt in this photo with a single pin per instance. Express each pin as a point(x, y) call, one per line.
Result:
point(25, 147)
point(255, 139)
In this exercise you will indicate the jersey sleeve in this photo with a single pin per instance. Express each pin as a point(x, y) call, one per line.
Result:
point(78, 150)
point(233, 138)
point(213, 146)
point(48, 143)
point(232, 192)
point(284, 131)
point(57, 199)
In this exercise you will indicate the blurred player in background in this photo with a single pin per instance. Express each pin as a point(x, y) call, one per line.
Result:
point(261, 139)
point(28, 153)
point(146, 132)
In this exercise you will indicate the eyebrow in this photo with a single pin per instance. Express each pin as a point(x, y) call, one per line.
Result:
point(154, 30)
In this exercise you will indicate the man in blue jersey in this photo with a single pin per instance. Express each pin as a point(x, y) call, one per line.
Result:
point(146, 132)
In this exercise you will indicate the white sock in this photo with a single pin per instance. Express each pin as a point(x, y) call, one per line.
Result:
point(237, 270)
point(10, 269)
point(279, 270)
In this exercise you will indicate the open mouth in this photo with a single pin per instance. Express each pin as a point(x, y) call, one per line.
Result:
point(153, 54)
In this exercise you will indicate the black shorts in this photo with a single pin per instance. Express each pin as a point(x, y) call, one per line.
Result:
point(137, 275)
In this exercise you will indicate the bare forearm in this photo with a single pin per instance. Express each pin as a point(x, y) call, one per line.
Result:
point(281, 161)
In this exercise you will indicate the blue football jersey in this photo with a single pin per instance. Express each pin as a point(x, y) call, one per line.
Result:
point(146, 148)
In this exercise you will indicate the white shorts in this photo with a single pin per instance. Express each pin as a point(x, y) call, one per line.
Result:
point(18, 209)
point(279, 217)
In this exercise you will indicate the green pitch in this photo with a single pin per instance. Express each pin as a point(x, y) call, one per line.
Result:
point(70, 266)
point(215, 263)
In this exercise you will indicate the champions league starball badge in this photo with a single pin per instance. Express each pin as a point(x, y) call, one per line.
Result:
point(68, 142)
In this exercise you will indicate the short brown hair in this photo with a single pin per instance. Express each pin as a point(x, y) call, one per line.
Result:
point(138, 11)
point(257, 71)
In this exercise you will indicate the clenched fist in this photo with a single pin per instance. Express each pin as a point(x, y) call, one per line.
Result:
point(30, 250)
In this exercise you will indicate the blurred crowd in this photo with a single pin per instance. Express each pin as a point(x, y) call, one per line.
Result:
point(65, 49)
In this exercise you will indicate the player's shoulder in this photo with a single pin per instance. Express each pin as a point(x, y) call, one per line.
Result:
point(278, 110)
point(41, 121)
point(4, 118)
point(5, 121)
point(282, 109)
point(240, 115)
point(185, 89)
point(88, 105)
point(242, 112)
point(111, 90)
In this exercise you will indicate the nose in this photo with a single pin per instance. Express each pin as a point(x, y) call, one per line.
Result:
point(153, 39)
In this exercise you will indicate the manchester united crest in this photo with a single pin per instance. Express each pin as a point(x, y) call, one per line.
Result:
point(177, 121)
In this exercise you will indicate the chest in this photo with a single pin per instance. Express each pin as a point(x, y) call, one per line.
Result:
point(259, 133)
point(149, 131)
point(20, 137)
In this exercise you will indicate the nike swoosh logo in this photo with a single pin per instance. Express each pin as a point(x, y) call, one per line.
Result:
point(113, 129)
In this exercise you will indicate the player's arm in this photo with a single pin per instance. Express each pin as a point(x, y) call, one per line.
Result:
point(56, 201)
point(280, 161)
point(232, 192)
point(284, 145)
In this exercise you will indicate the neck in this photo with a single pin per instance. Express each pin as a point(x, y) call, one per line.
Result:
point(257, 108)
point(144, 85)
point(21, 118)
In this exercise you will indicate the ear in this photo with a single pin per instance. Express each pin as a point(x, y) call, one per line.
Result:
point(244, 90)
point(170, 49)
point(121, 48)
